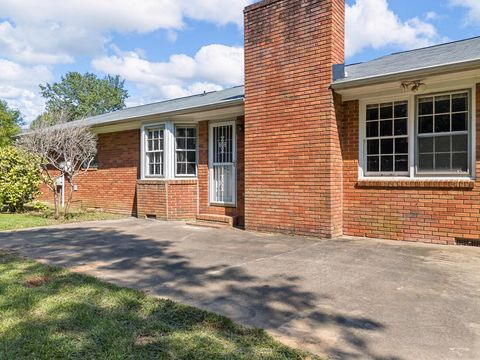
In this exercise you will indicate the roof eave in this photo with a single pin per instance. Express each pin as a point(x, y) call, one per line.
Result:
point(213, 106)
point(428, 71)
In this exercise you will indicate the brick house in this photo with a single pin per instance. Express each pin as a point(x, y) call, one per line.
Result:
point(308, 146)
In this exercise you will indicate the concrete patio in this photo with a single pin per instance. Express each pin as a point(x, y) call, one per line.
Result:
point(345, 298)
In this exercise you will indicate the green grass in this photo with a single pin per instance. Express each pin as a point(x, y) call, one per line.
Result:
point(45, 217)
point(50, 313)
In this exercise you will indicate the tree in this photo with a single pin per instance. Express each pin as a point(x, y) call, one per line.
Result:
point(65, 150)
point(84, 95)
point(10, 122)
point(45, 118)
point(19, 178)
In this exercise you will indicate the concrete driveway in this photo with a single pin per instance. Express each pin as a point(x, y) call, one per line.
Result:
point(345, 298)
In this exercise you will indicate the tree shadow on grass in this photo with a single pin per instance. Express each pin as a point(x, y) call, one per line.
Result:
point(158, 267)
point(77, 317)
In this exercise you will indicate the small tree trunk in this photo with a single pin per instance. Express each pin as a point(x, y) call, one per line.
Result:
point(56, 199)
point(69, 200)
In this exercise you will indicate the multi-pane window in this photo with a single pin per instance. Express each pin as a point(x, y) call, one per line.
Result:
point(387, 138)
point(154, 150)
point(186, 151)
point(442, 133)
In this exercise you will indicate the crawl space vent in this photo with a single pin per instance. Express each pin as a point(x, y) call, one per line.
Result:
point(467, 242)
point(151, 217)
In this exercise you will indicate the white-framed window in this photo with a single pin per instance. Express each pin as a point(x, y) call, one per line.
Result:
point(443, 134)
point(154, 152)
point(168, 150)
point(185, 150)
point(386, 139)
point(424, 136)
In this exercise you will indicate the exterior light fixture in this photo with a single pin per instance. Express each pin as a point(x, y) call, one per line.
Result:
point(414, 85)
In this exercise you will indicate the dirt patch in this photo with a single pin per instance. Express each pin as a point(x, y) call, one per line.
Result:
point(144, 340)
point(36, 281)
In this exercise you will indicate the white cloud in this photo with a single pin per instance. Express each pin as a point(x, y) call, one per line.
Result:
point(19, 87)
point(52, 31)
point(48, 44)
point(212, 67)
point(371, 23)
point(172, 36)
point(124, 15)
point(432, 15)
point(217, 11)
point(473, 7)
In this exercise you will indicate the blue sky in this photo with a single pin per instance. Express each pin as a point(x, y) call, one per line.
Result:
point(172, 48)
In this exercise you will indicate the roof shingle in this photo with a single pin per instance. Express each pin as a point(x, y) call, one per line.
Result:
point(216, 98)
point(429, 57)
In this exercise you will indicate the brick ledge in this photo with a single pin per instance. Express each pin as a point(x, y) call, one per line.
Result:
point(222, 219)
point(417, 183)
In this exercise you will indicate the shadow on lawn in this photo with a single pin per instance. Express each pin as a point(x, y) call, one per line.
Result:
point(77, 317)
point(153, 265)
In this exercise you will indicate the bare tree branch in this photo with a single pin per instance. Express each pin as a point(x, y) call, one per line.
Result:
point(66, 150)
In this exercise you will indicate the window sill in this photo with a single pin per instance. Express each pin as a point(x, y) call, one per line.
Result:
point(169, 181)
point(213, 204)
point(417, 183)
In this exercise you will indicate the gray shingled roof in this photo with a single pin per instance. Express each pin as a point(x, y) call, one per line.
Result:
point(211, 99)
point(454, 53)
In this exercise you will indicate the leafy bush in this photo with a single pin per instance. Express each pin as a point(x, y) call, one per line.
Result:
point(37, 206)
point(19, 178)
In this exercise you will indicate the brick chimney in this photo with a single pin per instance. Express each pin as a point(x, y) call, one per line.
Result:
point(293, 163)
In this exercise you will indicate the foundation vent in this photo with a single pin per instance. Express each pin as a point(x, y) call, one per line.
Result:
point(151, 217)
point(467, 242)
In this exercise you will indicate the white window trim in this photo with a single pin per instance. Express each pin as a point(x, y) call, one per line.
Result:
point(384, 174)
point(196, 151)
point(168, 151)
point(144, 140)
point(471, 117)
point(412, 98)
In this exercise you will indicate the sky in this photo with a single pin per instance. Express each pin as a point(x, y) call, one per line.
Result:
point(172, 48)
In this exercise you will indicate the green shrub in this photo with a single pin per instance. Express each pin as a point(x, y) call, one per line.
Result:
point(19, 178)
point(38, 206)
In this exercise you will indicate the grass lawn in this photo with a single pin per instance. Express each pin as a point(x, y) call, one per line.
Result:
point(45, 217)
point(50, 313)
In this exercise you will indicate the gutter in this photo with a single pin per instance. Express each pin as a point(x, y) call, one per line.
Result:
point(405, 75)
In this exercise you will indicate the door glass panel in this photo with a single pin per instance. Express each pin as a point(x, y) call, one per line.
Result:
point(222, 149)
point(223, 183)
point(223, 167)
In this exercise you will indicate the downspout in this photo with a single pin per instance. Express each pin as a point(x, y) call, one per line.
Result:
point(166, 200)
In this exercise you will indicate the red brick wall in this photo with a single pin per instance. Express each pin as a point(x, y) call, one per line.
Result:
point(420, 211)
point(293, 164)
point(204, 204)
point(182, 199)
point(152, 198)
point(167, 200)
point(112, 187)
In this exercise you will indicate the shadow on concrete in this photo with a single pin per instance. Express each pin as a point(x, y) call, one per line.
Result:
point(155, 267)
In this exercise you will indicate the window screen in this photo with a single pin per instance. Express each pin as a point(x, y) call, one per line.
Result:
point(386, 140)
point(186, 151)
point(442, 133)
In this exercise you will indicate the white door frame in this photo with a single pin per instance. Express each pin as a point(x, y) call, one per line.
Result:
point(211, 187)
